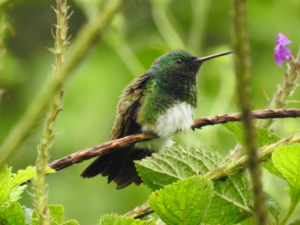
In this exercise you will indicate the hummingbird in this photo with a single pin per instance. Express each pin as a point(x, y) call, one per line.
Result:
point(162, 101)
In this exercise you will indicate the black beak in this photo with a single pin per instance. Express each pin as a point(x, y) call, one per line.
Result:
point(203, 59)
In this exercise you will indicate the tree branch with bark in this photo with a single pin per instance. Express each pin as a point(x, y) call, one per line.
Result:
point(114, 145)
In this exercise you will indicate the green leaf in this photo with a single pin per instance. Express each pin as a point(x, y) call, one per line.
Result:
point(13, 197)
point(231, 203)
point(248, 221)
point(184, 202)
point(114, 219)
point(56, 213)
point(71, 222)
point(176, 163)
point(273, 206)
point(23, 176)
point(232, 197)
point(5, 174)
point(264, 137)
point(269, 165)
point(12, 215)
point(286, 158)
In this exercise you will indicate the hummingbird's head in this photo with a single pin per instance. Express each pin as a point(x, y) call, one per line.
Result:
point(178, 66)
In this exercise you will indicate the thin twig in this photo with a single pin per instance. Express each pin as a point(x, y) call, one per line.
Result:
point(114, 145)
point(225, 170)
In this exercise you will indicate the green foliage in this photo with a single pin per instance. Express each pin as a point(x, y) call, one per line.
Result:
point(12, 214)
point(176, 163)
point(11, 187)
point(231, 201)
point(264, 137)
point(165, 25)
point(273, 206)
point(287, 160)
point(184, 202)
point(114, 219)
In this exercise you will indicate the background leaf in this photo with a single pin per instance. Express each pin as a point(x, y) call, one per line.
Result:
point(273, 206)
point(5, 174)
point(114, 219)
point(264, 137)
point(286, 158)
point(56, 213)
point(12, 215)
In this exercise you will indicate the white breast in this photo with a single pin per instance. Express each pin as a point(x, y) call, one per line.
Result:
point(178, 118)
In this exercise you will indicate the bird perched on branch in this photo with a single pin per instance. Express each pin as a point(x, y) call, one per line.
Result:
point(161, 101)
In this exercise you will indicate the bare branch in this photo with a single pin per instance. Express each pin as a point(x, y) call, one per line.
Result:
point(114, 145)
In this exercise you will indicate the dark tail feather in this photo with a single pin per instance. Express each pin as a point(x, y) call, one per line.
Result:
point(118, 166)
point(129, 173)
point(98, 166)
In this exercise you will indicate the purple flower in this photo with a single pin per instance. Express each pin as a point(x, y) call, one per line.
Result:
point(282, 53)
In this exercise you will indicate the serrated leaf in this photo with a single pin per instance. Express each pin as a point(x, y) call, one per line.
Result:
point(286, 158)
point(5, 189)
point(56, 213)
point(273, 206)
point(232, 197)
point(184, 202)
point(231, 202)
point(13, 215)
point(71, 222)
point(176, 163)
point(22, 176)
point(114, 219)
point(13, 197)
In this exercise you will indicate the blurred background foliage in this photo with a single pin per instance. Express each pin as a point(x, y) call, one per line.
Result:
point(141, 33)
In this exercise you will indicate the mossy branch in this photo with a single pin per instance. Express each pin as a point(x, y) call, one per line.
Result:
point(81, 45)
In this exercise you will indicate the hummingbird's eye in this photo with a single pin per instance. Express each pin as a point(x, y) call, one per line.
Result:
point(178, 61)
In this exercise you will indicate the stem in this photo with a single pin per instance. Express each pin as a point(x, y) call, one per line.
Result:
point(40, 195)
point(289, 212)
point(242, 70)
point(164, 25)
point(199, 12)
point(81, 45)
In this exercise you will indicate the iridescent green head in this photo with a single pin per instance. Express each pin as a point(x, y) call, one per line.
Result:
point(177, 68)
